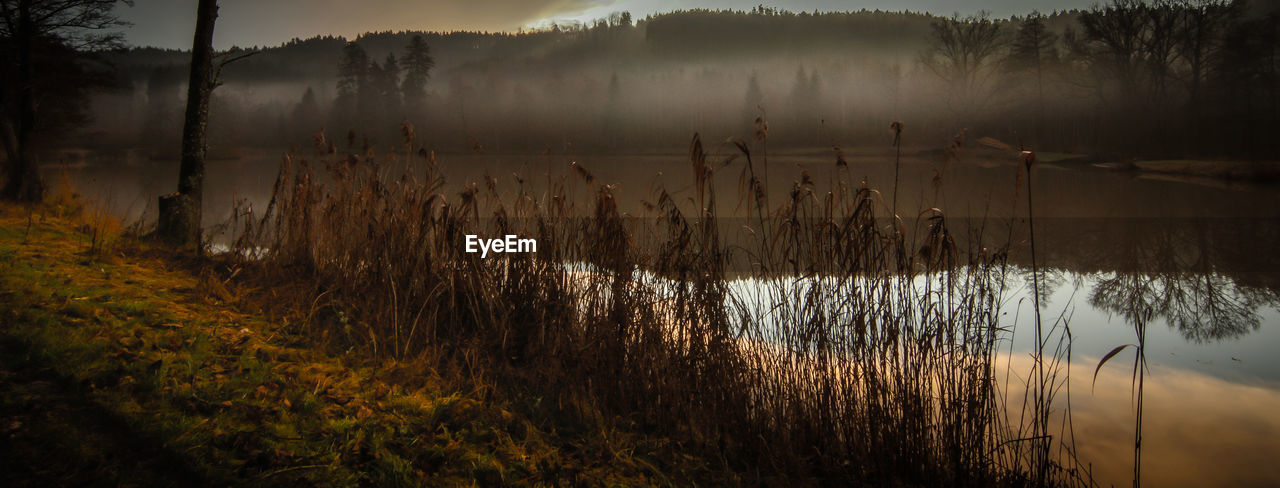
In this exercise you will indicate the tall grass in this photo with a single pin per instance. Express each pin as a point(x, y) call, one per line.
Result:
point(805, 341)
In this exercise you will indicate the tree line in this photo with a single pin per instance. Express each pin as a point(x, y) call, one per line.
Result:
point(1169, 78)
point(1166, 78)
point(375, 94)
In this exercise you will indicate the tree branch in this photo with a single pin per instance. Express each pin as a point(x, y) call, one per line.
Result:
point(227, 58)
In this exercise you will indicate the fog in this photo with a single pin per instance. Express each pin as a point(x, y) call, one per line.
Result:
point(816, 80)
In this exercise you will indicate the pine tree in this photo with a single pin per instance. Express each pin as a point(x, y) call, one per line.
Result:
point(1032, 51)
point(306, 115)
point(798, 105)
point(353, 70)
point(1033, 46)
point(417, 63)
point(387, 89)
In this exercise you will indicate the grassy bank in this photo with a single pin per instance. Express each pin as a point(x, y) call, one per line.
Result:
point(126, 365)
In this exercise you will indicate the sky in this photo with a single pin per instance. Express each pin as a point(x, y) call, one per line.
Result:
point(170, 23)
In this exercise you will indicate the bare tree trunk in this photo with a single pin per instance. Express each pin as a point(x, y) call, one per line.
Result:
point(180, 212)
point(23, 175)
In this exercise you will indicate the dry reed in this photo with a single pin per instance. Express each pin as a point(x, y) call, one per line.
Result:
point(835, 353)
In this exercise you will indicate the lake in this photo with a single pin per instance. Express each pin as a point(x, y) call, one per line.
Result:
point(1194, 260)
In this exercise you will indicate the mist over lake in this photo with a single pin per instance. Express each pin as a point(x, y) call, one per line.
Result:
point(757, 246)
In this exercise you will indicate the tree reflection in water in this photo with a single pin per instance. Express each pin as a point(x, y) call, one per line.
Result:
point(1175, 273)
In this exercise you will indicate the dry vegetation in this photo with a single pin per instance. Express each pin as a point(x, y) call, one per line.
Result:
point(840, 350)
point(137, 366)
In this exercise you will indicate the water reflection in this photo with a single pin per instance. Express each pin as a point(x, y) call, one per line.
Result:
point(1199, 430)
point(1202, 307)
point(1178, 272)
point(1190, 274)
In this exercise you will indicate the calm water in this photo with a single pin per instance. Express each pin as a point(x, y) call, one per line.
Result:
point(1194, 260)
point(1211, 412)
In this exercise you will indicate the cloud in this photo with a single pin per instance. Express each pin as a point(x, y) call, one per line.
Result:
point(268, 22)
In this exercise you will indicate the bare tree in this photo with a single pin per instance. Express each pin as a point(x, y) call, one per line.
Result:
point(30, 29)
point(961, 54)
point(1159, 44)
point(1149, 59)
point(1200, 37)
point(1113, 44)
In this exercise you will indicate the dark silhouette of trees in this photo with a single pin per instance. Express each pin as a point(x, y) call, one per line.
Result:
point(41, 45)
point(307, 109)
point(806, 95)
point(1177, 79)
point(417, 63)
point(306, 118)
point(694, 33)
point(962, 54)
point(1180, 77)
point(1112, 45)
point(353, 74)
point(1199, 42)
point(1128, 46)
point(1033, 46)
point(1033, 52)
point(1160, 43)
point(1246, 88)
point(383, 111)
point(375, 98)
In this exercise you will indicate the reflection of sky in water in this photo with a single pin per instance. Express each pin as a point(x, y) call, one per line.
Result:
point(1198, 430)
point(1198, 343)
point(1211, 413)
point(1209, 420)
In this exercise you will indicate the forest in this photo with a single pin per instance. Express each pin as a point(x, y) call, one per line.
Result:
point(1129, 79)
